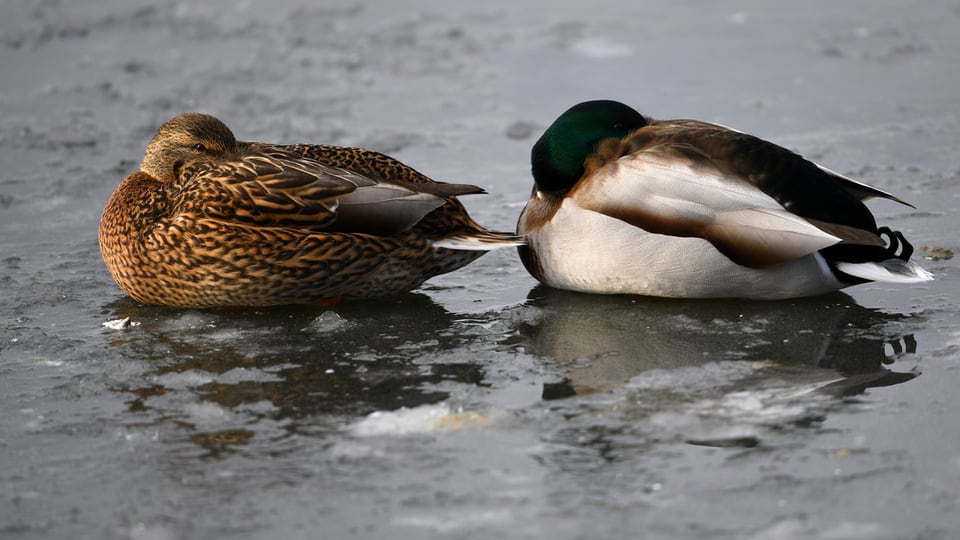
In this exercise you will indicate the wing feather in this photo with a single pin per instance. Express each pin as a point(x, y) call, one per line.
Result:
point(675, 189)
point(277, 189)
point(860, 190)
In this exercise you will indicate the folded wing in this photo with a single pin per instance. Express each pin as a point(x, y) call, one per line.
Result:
point(279, 189)
point(676, 189)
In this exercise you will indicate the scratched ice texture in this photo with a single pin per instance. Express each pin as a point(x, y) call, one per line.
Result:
point(481, 405)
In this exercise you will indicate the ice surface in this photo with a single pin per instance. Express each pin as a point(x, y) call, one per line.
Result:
point(480, 405)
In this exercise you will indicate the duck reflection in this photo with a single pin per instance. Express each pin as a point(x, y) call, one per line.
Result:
point(341, 362)
point(606, 340)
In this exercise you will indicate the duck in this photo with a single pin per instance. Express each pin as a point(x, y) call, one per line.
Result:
point(627, 204)
point(212, 222)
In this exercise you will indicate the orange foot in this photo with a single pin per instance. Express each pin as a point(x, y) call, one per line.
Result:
point(327, 302)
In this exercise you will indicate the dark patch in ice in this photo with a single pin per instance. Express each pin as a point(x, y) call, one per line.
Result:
point(520, 130)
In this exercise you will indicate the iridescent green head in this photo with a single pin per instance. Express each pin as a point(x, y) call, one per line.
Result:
point(558, 156)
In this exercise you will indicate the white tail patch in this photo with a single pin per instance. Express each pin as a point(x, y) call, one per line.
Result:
point(479, 243)
point(890, 270)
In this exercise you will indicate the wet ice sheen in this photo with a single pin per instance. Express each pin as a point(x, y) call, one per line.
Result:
point(480, 406)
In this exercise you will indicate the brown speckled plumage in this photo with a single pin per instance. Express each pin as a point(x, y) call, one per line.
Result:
point(211, 221)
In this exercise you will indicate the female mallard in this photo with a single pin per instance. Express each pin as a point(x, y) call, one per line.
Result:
point(211, 221)
point(680, 208)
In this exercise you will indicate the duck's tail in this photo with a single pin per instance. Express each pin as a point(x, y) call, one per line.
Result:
point(890, 270)
point(480, 240)
point(892, 265)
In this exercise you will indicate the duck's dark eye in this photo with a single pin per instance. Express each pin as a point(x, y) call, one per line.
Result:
point(199, 147)
point(619, 126)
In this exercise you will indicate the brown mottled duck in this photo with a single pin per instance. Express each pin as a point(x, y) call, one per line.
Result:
point(210, 221)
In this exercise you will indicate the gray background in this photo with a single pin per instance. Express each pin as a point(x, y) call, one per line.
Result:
point(423, 416)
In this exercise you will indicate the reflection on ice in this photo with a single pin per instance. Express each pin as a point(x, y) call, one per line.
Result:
point(714, 373)
point(706, 372)
point(605, 341)
point(216, 371)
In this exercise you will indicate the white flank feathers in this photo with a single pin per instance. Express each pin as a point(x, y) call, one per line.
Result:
point(586, 251)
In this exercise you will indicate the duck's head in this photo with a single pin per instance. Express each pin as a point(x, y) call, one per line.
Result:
point(186, 137)
point(558, 156)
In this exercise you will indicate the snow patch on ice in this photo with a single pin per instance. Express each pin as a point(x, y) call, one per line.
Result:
point(329, 322)
point(601, 48)
point(121, 324)
point(423, 419)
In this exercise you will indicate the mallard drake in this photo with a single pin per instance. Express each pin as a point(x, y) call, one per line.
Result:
point(210, 221)
point(627, 204)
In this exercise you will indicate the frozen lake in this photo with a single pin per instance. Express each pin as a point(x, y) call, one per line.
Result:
point(482, 405)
